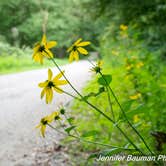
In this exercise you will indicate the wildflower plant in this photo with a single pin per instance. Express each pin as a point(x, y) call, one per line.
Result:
point(52, 84)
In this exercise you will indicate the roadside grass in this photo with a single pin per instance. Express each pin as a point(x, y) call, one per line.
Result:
point(12, 64)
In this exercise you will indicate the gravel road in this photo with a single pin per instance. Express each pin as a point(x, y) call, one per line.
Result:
point(21, 109)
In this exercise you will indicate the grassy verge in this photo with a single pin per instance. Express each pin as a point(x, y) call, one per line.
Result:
point(11, 64)
point(135, 70)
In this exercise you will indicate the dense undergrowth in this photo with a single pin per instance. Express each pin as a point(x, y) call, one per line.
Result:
point(138, 79)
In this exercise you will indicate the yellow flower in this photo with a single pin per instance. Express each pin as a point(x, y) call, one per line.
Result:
point(43, 123)
point(139, 64)
point(114, 52)
point(77, 48)
point(55, 116)
point(41, 49)
point(136, 118)
point(47, 120)
point(145, 125)
point(136, 96)
point(129, 66)
point(51, 84)
point(97, 68)
point(123, 27)
point(127, 76)
point(134, 57)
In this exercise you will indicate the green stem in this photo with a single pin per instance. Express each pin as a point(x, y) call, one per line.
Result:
point(54, 128)
point(79, 138)
point(67, 93)
point(130, 123)
point(66, 78)
point(90, 62)
point(127, 118)
point(77, 133)
point(98, 110)
point(98, 143)
point(110, 104)
point(109, 98)
point(108, 118)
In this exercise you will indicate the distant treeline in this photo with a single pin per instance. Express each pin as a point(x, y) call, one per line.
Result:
point(23, 22)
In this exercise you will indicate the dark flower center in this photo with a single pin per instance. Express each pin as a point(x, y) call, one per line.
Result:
point(74, 48)
point(44, 122)
point(41, 48)
point(50, 84)
point(57, 118)
point(97, 69)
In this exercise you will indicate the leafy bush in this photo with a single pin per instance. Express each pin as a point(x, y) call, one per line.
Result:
point(148, 16)
point(8, 50)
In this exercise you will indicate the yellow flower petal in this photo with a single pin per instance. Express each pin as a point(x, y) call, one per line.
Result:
point(53, 115)
point(36, 47)
point(43, 84)
point(39, 125)
point(85, 43)
point(75, 55)
point(71, 57)
point(58, 90)
point(136, 96)
point(51, 44)
point(100, 63)
point(43, 129)
point(70, 48)
point(82, 50)
point(49, 95)
point(38, 57)
point(136, 118)
point(48, 53)
point(49, 74)
point(57, 77)
point(139, 64)
point(42, 93)
point(44, 41)
point(61, 82)
point(77, 42)
point(123, 27)
point(129, 66)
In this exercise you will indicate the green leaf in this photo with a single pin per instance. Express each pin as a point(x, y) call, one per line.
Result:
point(130, 113)
point(90, 133)
point(110, 152)
point(105, 80)
point(107, 152)
point(101, 89)
point(140, 109)
point(68, 130)
point(70, 120)
point(127, 105)
point(93, 94)
point(92, 156)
